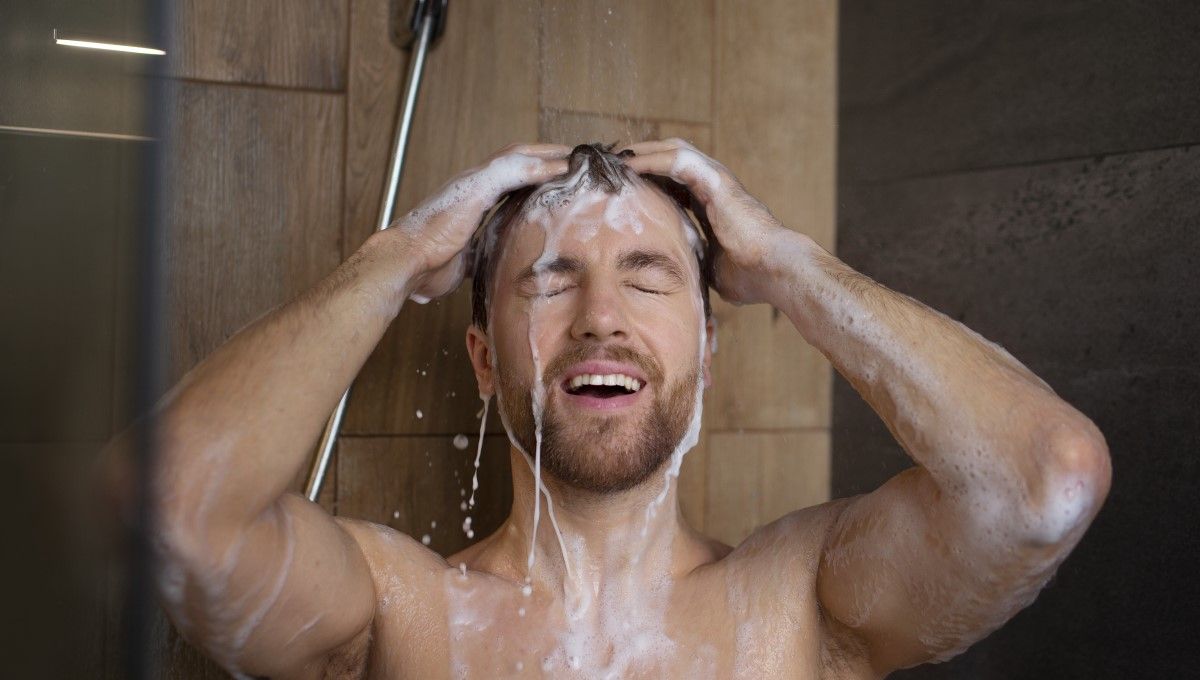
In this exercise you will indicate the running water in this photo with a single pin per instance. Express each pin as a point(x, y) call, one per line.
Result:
point(479, 449)
point(549, 253)
point(691, 437)
point(538, 486)
point(621, 211)
point(626, 612)
point(539, 400)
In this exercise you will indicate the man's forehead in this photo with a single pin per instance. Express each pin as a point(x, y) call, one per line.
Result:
point(595, 223)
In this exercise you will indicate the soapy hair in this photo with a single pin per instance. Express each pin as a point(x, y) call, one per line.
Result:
point(602, 170)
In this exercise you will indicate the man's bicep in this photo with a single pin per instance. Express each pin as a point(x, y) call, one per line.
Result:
point(908, 574)
point(282, 594)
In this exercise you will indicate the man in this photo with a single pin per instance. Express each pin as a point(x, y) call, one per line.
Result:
point(591, 331)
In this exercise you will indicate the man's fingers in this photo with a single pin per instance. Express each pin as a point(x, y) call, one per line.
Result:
point(655, 163)
point(513, 172)
point(549, 168)
point(686, 166)
point(538, 150)
point(654, 146)
point(549, 150)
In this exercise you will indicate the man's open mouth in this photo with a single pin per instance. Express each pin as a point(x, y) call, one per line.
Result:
point(603, 386)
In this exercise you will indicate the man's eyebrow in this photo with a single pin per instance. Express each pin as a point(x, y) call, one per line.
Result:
point(651, 259)
point(559, 265)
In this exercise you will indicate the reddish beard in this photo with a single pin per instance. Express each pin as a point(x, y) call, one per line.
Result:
point(601, 453)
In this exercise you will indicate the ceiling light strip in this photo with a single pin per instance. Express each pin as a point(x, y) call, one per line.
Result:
point(74, 133)
point(111, 47)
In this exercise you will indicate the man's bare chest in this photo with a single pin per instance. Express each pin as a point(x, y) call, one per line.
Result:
point(490, 630)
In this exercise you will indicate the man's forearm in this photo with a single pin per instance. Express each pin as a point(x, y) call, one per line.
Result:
point(964, 408)
point(237, 428)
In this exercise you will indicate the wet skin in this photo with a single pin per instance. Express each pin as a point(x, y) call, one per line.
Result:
point(646, 598)
point(1007, 476)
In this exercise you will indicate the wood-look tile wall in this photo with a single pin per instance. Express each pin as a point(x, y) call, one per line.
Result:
point(751, 83)
point(283, 119)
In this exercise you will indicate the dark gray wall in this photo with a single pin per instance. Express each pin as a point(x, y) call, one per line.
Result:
point(1029, 169)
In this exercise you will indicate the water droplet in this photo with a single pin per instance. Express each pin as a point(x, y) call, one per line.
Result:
point(425, 539)
point(461, 442)
point(419, 414)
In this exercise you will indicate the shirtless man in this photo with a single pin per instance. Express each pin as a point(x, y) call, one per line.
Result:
point(597, 272)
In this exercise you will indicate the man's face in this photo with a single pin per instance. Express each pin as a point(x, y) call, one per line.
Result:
point(616, 295)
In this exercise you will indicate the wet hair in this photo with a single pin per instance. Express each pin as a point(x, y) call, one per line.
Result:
point(603, 171)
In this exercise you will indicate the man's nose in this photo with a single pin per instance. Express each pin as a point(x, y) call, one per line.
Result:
point(600, 316)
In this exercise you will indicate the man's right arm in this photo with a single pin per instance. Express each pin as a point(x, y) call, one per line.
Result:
point(267, 582)
point(264, 580)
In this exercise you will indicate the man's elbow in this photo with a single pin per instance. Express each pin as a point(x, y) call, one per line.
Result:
point(1077, 476)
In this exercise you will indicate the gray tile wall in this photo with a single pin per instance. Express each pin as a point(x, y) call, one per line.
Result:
point(1031, 170)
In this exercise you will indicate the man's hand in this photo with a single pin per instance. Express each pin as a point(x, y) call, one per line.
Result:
point(437, 232)
point(743, 227)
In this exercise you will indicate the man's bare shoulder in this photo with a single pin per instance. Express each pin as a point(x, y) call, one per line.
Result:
point(391, 552)
point(795, 539)
point(408, 591)
point(793, 545)
point(408, 576)
point(790, 545)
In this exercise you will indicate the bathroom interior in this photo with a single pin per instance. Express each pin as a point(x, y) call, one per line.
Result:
point(1028, 169)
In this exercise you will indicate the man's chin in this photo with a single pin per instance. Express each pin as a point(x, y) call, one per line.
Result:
point(602, 454)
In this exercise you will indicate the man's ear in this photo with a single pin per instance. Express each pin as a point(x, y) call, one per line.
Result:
point(710, 348)
point(480, 352)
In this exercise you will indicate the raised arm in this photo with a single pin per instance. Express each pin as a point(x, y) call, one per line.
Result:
point(264, 580)
point(1008, 476)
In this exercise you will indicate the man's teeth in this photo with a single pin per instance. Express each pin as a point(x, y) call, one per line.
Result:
point(612, 379)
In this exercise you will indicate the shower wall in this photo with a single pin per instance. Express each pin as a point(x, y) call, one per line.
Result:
point(74, 153)
point(283, 113)
point(750, 83)
point(1031, 170)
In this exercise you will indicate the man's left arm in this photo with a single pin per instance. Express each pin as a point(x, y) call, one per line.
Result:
point(1008, 476)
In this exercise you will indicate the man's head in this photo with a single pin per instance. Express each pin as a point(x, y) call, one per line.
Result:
point(597, 273)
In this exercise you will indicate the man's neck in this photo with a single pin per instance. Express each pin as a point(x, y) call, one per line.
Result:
point(635, 534)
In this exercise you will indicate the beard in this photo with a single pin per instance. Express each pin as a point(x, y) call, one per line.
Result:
point(600, 453)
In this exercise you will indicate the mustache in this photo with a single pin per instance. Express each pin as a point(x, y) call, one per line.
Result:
point(577, 353)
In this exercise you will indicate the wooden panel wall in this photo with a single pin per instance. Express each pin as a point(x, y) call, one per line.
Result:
point(283, 124)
